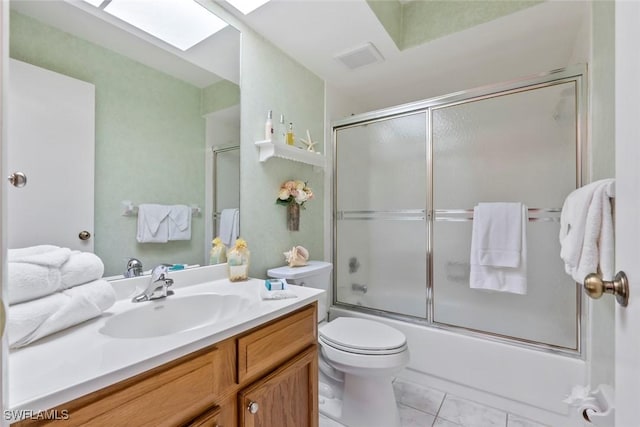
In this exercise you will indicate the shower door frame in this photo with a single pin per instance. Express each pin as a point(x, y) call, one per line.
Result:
point(575, 73)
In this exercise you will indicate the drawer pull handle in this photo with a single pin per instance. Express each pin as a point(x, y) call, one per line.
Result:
point(253, 407)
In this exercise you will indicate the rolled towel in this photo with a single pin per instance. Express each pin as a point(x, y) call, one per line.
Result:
point(18, 255)
point(47, 255)
point(82, 267)
point(30, 321)
point(30, 281)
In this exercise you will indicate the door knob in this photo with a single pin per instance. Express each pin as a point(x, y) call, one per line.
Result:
point(17, 179)
point(84, 235)
point(253, 407)
point(594, 286)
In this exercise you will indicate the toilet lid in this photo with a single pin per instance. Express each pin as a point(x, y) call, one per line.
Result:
point(362, 335)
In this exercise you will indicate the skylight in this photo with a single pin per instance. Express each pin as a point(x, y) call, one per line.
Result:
point(180, 23)
point(247, 6)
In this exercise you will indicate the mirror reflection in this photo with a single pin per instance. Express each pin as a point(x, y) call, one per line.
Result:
point(152, 118)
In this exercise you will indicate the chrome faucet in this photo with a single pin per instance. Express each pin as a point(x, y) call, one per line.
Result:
point(159, 285)
point(134, 268)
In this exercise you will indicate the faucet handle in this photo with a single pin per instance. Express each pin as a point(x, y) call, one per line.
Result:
point(159, 272)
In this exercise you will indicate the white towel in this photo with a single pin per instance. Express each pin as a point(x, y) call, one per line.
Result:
point(28, 281)
point(498, 255)
point(586, 231)
point(82, 267)
point(179, 222)
point(18, 255)
point(45, 255)
point(229, 226)
point(152, 223)
point(30, 321)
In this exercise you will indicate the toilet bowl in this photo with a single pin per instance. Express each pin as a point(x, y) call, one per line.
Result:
point(369, 354)
point(358, 358)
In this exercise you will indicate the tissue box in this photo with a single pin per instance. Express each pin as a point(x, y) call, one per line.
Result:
point(275, 284)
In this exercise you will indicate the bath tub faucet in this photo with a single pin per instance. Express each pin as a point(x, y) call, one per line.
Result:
point(159, 285)
point(356, 287)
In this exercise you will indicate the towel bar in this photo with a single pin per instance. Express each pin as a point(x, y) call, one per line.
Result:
point(129, 209)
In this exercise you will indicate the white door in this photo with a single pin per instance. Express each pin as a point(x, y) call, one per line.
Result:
point(51, 140)
point(627, 116)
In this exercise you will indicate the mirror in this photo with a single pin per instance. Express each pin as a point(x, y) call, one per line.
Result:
point(159, 112)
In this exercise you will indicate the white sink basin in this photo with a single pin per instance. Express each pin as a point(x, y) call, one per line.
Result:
point(174, 314)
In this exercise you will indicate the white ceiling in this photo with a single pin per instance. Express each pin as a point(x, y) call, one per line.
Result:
point(537, 39)
point(206, 63)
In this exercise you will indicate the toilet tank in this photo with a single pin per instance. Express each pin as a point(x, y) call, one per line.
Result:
point(316, 274)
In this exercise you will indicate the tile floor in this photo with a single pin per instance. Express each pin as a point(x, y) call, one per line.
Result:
point(425, 407)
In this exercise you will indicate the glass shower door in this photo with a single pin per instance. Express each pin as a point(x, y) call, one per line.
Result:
point(381, 225)
point(518, 146)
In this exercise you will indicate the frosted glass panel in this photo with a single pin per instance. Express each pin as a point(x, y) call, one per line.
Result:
point(381, 249)
point(516, 147)
point(546, 314)
point(389, 258)
point(381, 165)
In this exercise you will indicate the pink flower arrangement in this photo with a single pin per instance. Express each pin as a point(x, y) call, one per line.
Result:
point(294, 191)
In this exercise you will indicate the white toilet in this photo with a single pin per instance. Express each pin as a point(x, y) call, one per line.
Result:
point(358, 358)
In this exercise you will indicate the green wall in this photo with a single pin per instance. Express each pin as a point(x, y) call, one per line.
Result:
point(150, 140)
point(417, 22)
point(270, 80)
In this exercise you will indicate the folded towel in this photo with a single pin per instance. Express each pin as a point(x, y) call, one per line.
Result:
point(179, 222)
point(507, 274)
point(28, 281)
point(586, 231)
point(82, 267)
point(497, 234)
point(18, 255)
point(152, 223)
point(46, 255)
point(30, 321)
point(229, 226)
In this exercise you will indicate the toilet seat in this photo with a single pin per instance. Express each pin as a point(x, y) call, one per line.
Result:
point(362, 336)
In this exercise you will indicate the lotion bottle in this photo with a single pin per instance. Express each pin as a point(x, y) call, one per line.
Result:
point(282, 130)
point(268, 126)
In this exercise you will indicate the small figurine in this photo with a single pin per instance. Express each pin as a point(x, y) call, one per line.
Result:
point(309, 142)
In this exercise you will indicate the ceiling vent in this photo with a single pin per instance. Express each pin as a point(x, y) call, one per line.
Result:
point(360, 56)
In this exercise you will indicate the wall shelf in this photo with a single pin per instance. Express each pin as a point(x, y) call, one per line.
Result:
point(270, 149)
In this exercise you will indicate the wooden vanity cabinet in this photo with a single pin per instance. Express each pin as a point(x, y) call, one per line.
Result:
point(274, 365)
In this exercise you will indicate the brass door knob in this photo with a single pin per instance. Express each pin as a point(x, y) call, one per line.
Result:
point(84, 235)
point(594, 286)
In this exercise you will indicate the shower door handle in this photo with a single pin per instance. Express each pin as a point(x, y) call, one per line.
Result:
point(594, 286)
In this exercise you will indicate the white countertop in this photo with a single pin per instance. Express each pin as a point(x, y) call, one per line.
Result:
point(80, 360)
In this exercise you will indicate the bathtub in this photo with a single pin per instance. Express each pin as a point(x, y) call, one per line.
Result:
point(528, 382)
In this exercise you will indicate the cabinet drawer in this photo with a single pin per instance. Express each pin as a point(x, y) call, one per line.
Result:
point(165, 396)
point(210, 418)
point(265, 348)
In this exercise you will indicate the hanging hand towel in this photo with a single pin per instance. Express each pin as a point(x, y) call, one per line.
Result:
point(586, 231)
point(229, 226)
point(179, 222)
point(499, 247)
point(152, 223)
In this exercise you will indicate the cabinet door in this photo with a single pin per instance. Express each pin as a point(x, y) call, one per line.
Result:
point(288, 397)
point(209, 418)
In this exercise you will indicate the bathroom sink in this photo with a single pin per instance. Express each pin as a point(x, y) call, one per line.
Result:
point(174, 315)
